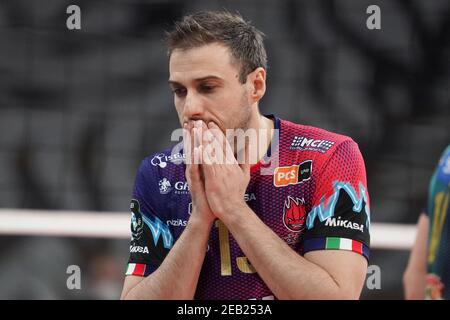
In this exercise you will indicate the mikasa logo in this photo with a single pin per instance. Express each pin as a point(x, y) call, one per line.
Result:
point(333, 222)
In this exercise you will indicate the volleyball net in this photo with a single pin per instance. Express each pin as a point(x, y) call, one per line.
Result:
point(116, 225)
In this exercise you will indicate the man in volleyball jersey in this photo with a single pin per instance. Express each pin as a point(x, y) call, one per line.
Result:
point(428, 272)
point(294, 225)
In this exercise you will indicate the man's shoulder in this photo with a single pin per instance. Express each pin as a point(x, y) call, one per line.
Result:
point(158, 174)
point(163, 159)
point(167, 163)
point(302, 138)
point(442, 172)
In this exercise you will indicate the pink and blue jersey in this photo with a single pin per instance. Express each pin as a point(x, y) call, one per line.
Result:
point(315, 198)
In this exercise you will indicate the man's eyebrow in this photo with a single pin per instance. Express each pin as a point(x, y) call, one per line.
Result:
point(174, 83)
point(210, 77)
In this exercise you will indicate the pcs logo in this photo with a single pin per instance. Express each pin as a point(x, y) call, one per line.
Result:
point(295, 174)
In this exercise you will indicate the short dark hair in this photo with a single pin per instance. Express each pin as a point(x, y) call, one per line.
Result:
point(243, 39)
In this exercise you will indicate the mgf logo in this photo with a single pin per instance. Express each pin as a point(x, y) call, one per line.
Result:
point(284, 176)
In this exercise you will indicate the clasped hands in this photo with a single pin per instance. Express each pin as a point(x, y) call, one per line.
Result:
point(217, 181)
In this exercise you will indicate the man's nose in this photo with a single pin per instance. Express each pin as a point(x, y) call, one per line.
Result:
point(193, 106)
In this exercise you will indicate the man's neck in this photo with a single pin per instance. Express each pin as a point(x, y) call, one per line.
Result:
point(264, 132)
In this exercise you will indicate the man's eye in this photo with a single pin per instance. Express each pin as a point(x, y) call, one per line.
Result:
point(207, 89)
point(179, 91)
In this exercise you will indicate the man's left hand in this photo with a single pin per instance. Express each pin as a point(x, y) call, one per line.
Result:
point(225, 179)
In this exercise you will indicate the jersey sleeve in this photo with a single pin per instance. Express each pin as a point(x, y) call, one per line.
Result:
point(151, 239)
point(339, 218)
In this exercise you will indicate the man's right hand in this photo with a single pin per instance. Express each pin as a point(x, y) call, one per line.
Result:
point(201, 211)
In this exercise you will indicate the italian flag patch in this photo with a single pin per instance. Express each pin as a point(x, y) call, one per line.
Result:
point(136, 269)
point(335, 243)
point(343, 244)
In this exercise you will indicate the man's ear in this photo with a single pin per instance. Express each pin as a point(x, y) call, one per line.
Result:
point(257, 84)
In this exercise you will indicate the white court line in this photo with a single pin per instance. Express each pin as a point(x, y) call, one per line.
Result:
point(116, 225)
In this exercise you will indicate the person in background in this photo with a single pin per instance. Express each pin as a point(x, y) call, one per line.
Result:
point(427, 275)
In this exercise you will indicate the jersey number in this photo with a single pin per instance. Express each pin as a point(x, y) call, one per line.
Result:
point(440, 211)
point(225, 254)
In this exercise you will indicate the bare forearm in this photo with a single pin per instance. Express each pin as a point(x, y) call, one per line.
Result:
point(184, 259)
point(286, 273)
point(415, 274)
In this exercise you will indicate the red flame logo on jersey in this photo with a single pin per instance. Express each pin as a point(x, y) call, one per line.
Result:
point(294, 214)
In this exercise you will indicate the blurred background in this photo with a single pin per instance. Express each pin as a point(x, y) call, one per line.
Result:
point(79, 110)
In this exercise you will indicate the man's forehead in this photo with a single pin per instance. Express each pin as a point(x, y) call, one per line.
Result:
point(212, 60)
